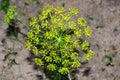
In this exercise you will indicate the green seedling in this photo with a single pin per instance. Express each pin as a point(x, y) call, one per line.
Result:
point(4, 5)
point(8, 57)
point(10, 54)
point(90, 18)
point(12, 62)
point(109, 60)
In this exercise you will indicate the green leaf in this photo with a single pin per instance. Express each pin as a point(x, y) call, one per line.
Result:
point(12, 62)
point(107, 57)
point(4, 5)
point(7, 56)
point(110, 60)
point(91, 18)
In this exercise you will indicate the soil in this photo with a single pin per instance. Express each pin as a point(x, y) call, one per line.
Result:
point(103, 16)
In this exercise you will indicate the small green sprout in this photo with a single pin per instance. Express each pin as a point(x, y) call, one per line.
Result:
point(4, 5)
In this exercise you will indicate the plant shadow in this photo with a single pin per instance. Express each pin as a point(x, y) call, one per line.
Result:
point(12, 30)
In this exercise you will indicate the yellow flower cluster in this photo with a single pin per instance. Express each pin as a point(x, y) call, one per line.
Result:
point(51, 39)
point(11, 14)
point(89, 55)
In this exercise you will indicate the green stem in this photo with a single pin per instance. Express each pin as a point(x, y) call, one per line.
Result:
point(28, 27)
point(69, 76)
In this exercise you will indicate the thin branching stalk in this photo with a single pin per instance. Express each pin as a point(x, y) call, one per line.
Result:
point(69, 76)
point(28, 27)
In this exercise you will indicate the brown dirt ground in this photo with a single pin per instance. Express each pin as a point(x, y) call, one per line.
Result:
point(104, 40)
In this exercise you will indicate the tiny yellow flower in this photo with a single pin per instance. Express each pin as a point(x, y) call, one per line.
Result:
point(28, 44)
point(48, 59)
point(11, 14)
point(33, 21)
point(75, 64)
point(64, 70)
point(73, 11)
point(59, 10)
point(30, 35)
point(66, 63)
point(78, 32)
point(51, 67)
point(67, 38)
point(66, 16)
point(72, 25)
point(85, 45)
point(82, 22)
point(47, 10)
point(55, 19)
point(87, 31)
point(57, 59)
point(74, 55)
point(35, 50)
point(38, 61)
point(89, 55)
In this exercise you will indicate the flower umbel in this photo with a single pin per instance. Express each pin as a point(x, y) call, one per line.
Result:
point(55, 39)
